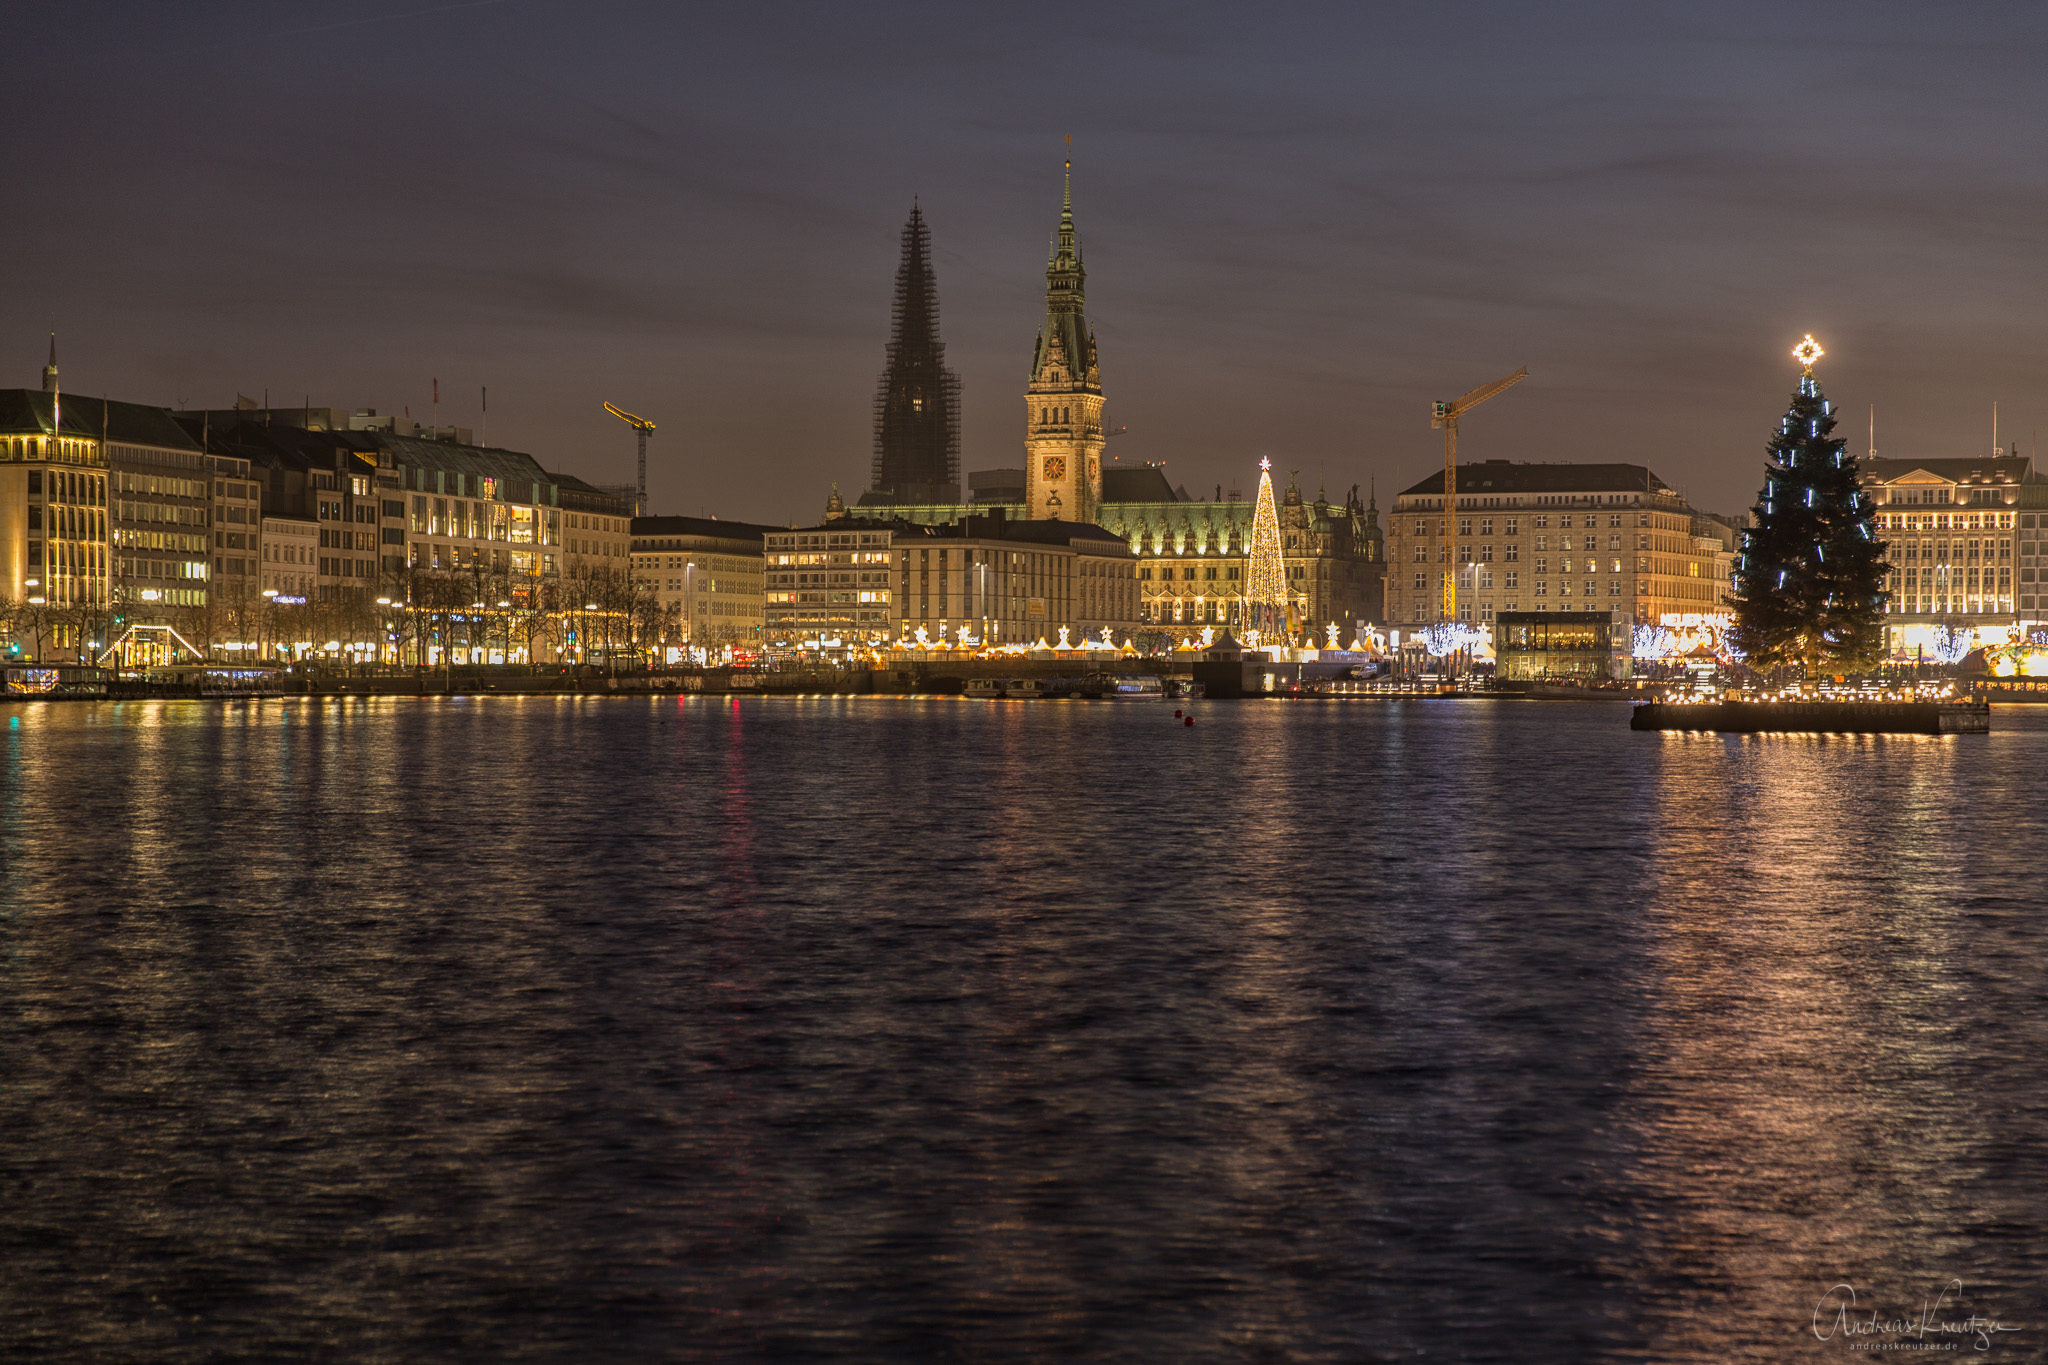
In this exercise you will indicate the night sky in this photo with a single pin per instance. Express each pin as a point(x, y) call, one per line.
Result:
point(1301, 225)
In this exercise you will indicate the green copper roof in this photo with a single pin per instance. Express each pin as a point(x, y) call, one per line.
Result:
point(1066, 322)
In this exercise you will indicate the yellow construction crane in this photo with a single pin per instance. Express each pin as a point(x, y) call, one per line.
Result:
point(1446, 415)
point(643, 426)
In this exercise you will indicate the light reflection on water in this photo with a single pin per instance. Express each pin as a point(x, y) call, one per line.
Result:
point(558, 1029)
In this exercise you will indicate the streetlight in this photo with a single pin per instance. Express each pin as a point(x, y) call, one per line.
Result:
point(981, 590)
point(269, 619)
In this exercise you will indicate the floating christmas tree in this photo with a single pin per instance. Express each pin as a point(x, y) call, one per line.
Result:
point(1809, 583)
point(1265, 577)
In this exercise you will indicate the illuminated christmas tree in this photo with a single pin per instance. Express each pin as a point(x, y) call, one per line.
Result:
point(1809, 583)
point(1265, 578)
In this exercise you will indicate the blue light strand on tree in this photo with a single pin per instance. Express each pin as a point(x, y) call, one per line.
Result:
point(1809, 581)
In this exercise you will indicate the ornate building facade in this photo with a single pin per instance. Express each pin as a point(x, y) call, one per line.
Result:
point(1063, 401)
point(1961, 542)
point(1193, 560)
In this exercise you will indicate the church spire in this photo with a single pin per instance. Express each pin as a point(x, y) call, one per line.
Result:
point(50, 370)
point(917, 403)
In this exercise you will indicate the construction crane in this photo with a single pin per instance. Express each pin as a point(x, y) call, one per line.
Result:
point(643, 426)
point(1445, 416)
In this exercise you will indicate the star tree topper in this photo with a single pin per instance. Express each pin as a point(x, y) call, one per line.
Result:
point(1808, 351)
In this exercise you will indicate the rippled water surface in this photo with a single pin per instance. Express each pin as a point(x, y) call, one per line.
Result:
point(902, 1030)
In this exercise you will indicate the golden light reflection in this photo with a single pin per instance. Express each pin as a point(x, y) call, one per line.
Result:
point(1791, 1108)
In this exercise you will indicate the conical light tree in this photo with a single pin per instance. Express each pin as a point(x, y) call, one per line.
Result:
point(1265, 577)
point(1809, 584)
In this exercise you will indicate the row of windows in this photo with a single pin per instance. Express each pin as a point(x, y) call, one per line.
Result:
point(1912, 579)
point(1924, 496)
point(1947, 551)
point(68, 485)
point(1208, 572)
point(829, 540)
point(1974, 521)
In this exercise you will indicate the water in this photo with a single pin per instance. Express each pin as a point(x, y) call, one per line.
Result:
point(868, 1029)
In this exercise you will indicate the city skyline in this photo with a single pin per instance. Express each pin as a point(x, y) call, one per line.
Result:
point(1296, 245)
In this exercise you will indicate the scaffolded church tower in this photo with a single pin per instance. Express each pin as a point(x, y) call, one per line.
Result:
point(1063, 401)
point(917, 404)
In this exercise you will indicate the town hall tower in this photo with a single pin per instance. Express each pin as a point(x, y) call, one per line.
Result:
point(1063, 401)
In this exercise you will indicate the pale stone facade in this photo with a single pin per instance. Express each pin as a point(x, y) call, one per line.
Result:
point(1553, 537)
point(1015, 582)
point(709, 572)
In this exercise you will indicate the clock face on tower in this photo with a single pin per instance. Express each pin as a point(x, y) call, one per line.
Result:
point(1055, 467)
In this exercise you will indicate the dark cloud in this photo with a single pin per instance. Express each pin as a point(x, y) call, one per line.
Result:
point(1302, 223)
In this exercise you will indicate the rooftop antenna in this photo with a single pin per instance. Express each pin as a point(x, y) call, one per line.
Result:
point(1995, 451)
point(1873, 431)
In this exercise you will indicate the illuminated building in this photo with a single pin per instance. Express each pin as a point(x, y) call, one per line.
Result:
point(291, 556)
point(597, 527)
point(1191, 554)
point(1962, 546)
point(708, 572)
point(324, 476)
point(395, 499)
point(160, 506)
point(1014, 582)
point(829, 585)
point(55, 556)
point(237, 529)
point(1529, 645)
point(475, 508)
point(1608, 538)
